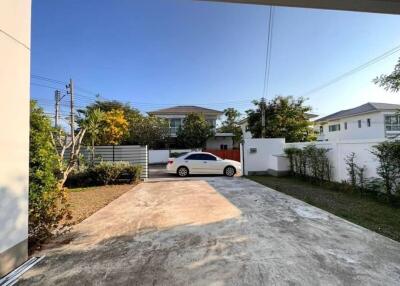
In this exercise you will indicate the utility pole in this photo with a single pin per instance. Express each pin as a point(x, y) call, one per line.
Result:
point(262, 117)
point(57, 97)
point(70, 91)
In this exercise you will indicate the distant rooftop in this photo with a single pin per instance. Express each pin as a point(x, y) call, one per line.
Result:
point(185, 109)
point(365, 108)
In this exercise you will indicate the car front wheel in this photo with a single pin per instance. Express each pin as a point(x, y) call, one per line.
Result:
point(229, 171)
point(183, 172)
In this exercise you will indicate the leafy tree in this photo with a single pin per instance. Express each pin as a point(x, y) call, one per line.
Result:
point(131, 115)
point(114, 127)
point(231, 124)
point(93, 121)
point(285, 117)
point(109, 105)
point(390, 82)
point(195, 132)
point(148, 130)
point(47, 201)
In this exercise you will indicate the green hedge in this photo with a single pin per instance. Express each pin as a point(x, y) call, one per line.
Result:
point(105, 173)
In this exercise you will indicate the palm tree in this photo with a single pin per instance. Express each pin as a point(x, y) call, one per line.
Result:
point(92, 123)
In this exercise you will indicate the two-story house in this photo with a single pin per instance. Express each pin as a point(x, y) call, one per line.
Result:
point(367, 121)
point(175, 116)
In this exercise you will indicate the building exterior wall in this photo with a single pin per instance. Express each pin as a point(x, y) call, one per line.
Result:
point(216, 142)
point(245, 132)
point(15, 21)
point(375, 131)
point(173, 130)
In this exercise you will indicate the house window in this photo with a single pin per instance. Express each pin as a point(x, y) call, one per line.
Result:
point(369, 122)
point(392, 124)
point(224, 147)
point(335, 127)
point(321, 129)
point(174, 125)
point(345, 125)
point(359, 123)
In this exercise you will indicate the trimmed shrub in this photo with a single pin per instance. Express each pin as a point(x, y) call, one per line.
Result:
point(310, 162)
point(105, 173)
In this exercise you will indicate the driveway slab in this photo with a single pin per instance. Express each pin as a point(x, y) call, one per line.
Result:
point(217, 231)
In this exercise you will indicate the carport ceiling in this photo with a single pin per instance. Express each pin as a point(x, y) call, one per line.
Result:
point(375, 6)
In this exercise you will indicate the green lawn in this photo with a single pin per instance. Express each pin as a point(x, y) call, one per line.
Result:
point(365, 211)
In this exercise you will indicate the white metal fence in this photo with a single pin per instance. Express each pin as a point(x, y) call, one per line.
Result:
point(133, 154)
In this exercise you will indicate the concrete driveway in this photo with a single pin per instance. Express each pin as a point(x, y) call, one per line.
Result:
point(217, 231)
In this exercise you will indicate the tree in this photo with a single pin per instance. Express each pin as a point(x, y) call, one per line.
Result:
point(47, 201)
point(149, 130)
point(285, 117)
point(390, 82)
point(93, 121)
point(114, 127)
point(231, 124)
point(131, 115)
point(195, 131)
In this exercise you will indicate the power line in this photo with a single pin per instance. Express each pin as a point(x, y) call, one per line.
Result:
point(268, 51)
point(353, 71)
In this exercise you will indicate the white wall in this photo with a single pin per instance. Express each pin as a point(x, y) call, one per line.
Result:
point(377, 129)
point(158, 156)
point(269, 156)
point(215, 142)
point(260, 160)
point(14, 125)
point(340, 150)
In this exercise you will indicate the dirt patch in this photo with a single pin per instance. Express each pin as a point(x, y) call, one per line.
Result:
point(86, 201)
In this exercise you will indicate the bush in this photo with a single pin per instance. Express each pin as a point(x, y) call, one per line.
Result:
point(310, 162)
point(388, 154)
point(105, 173)
point(356, 173)
point(47, 202)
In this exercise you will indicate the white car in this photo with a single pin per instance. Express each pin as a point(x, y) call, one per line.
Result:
point(202, 163)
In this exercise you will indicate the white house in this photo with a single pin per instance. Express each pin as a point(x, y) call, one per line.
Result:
point(175, 116)
point(367, 121)
point(15, 34)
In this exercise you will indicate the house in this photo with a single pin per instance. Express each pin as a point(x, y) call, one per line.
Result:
point(175, 116)
point(368, 121)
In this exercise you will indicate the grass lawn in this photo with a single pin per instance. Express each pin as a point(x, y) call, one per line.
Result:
point(86, 201)
point(362, 210)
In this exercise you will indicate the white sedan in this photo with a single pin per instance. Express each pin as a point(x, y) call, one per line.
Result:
point(202, 163)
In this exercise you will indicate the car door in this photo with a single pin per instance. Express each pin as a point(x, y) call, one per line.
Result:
point(194, 163)
point(210, 164)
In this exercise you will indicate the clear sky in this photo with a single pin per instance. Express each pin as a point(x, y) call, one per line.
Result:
point(157, 53)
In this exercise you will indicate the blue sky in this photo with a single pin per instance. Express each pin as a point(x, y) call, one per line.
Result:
point(157, 53)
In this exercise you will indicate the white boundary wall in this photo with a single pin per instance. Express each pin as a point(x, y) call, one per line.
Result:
point(340, 150)
point(257, 153)
point(158, 156)
point(267, 155)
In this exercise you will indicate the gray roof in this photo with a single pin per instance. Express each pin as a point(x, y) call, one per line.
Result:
point(365, 108)
point(185, 109)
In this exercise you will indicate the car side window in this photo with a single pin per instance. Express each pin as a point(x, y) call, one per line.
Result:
point(193, 157)
point(207, 157)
